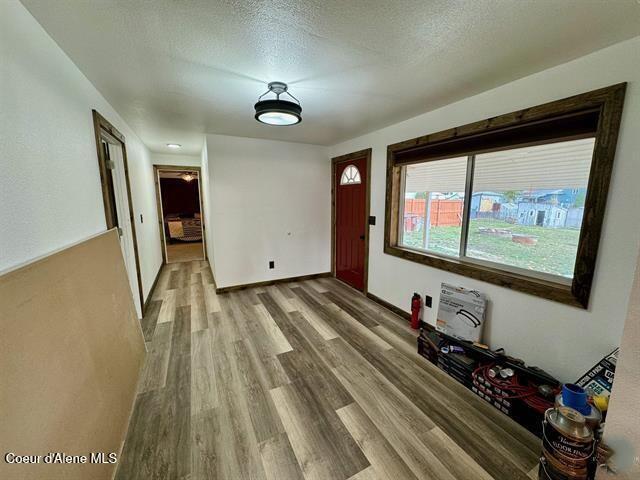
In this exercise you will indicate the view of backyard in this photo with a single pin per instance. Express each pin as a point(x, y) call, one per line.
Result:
point(554, 252)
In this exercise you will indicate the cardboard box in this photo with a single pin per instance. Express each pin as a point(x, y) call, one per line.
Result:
point(461, 313)
point(599, 380)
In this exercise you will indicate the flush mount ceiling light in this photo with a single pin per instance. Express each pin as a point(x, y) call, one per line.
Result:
point(188, 176)
point(174, 145)
point(278, 112)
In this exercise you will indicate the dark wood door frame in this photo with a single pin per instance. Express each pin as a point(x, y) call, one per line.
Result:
point(178, 168)
point(366, 153)
point(104, 130)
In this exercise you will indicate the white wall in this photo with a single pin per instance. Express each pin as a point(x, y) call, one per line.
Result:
point(564, 340)
point(50, 184)
point(143, 195)
point(269, 200)
point(206, 205)
point(175, 159)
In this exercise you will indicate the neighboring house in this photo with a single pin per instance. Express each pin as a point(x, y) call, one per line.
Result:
point(485, 204)
point(541, 214)
point(540, 196)
point(508, 212)
point(566, 197)
point(574, 217)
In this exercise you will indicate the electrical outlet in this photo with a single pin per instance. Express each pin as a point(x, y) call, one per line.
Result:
point(427, 301)
point(272, 264)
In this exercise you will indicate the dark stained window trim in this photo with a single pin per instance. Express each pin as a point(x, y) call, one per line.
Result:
point(579, 116)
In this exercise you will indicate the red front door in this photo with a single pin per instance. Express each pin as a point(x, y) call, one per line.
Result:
point(351, 221)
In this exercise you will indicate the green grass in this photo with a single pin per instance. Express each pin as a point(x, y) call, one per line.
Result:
point(554, 253)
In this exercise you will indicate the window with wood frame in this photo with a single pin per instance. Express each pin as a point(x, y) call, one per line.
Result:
point(516, 200)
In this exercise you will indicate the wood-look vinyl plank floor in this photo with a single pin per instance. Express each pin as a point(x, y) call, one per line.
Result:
point(302, 381)
point(278, 459)
point(386, 462)
point(150, 319)
point(184, 252)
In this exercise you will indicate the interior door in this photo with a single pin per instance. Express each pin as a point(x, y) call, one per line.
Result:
point(351, 221)
point(122, 212)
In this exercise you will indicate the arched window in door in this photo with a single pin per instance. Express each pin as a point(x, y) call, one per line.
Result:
point(350, 176)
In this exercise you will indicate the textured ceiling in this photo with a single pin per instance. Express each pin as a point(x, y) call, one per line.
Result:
point(175, 69)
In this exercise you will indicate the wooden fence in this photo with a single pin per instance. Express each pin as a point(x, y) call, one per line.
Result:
point(443, 213)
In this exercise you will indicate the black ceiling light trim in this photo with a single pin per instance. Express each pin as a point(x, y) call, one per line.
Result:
point(275, 111)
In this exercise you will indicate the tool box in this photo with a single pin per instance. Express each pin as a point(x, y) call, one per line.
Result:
point(516, 395)
point(458, 366)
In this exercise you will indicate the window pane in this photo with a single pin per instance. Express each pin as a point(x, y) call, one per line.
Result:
point(350, 175)
point(433, 205)
point(527, 206)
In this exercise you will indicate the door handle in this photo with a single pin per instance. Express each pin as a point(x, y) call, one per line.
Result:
point(362, 237)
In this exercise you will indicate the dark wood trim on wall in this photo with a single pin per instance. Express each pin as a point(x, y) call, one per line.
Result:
point(349, 157)
point(601, 109)
point(153, 287)
point(177, 168)
point(389, 306)
point(103, 129)
point(273, 282)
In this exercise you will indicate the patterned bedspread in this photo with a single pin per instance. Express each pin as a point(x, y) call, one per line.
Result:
point(191, 230)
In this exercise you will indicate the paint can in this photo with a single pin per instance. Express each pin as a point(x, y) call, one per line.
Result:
point(591, 414)
point(568, 445)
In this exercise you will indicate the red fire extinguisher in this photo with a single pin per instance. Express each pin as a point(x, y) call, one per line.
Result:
point(416, 304)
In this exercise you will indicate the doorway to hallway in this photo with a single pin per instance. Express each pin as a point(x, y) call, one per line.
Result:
point(180, 213)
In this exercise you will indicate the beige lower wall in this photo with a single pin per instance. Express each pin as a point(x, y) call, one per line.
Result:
point(71, 350)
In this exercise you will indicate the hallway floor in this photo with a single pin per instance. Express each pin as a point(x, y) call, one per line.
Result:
point(184, 252)
point(306, 380)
